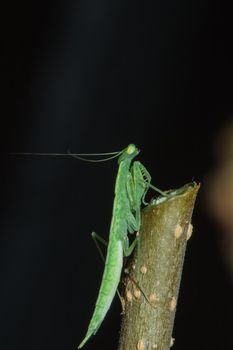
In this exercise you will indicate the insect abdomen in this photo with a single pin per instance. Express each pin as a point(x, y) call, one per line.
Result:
point(108, 287)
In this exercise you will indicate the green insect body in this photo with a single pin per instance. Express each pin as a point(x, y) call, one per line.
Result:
point(131, 186)
point(132, 183)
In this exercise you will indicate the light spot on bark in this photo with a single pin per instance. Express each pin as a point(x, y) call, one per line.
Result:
point(172, 342)
point(134, 267)
point(157, 283)
point(137, 293)
point(190, 231)
point(154, 346)
point(129, 296)
point(143, 269)
point(140, 345)
point(172, 305)
point(153, 298)
point(178, 231)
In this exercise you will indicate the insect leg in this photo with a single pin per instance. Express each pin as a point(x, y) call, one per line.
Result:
point(132, 223)
point(130, 189)
point(97, 239)
point(147, 178)
point(128, 249)
point(137, 187)
point(143, 175)
point(163, 193)
point(142, 181)
point(141, 289)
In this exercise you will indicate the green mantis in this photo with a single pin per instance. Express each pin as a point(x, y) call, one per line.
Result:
point(132, 183)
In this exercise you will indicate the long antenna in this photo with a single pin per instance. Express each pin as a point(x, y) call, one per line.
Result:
point(74, 155)
point(94, 160)
point(63, 154)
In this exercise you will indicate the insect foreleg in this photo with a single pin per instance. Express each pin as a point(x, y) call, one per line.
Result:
point(163, 193)
point(142, 181)
point(143, 175)
point(137, 187)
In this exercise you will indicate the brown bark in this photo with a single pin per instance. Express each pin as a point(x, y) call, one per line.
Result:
point(153, 278)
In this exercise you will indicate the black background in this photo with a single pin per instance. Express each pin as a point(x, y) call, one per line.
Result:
point(94, 76)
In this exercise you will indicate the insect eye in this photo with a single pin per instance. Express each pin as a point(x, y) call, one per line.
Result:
point(131, 149)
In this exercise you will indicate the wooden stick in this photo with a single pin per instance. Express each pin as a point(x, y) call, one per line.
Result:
point(153, 278)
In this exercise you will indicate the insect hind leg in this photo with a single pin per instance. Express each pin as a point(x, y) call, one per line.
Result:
point(97, 238)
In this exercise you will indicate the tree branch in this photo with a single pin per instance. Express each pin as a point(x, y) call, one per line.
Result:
point(153, 278)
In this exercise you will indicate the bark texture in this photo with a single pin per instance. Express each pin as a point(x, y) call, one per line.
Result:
point(153, 277)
